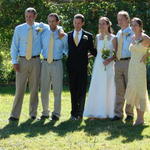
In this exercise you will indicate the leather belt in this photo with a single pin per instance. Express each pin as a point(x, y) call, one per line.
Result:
point(53, 59)
point(31, 57)
point(127, 58)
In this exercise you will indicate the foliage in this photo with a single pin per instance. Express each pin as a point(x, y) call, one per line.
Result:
point(12, 14)
point(6, 72)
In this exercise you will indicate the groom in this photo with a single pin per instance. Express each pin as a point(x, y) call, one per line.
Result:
point(79, 43)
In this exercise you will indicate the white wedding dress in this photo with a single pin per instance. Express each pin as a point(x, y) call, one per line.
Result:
point(101, 97)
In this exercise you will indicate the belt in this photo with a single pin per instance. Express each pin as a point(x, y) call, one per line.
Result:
point(53, 59)
point(37, 56)
point(127, 58)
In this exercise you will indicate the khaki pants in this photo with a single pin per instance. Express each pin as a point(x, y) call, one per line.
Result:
point(121, 78)
point(29, 71)
point(51, 74)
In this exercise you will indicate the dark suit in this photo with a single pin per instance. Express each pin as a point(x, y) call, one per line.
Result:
point(77, 69)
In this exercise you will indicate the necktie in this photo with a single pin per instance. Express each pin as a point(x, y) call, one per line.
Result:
point(120, 43)
point(50, 50)
point(76, 39)
point(29, 45)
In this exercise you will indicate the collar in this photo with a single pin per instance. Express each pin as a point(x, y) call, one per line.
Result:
point(80, 32)
point(128, 29)
point(33, 26)
point(54, 30)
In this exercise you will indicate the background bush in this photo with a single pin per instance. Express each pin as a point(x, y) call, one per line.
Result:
point(12, 14)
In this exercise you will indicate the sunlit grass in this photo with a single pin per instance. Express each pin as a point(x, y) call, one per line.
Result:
point(66, 134)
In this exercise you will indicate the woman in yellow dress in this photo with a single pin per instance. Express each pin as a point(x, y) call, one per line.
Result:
point(136, 92)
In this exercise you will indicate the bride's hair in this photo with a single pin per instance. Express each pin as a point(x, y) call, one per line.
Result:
point(110, 30)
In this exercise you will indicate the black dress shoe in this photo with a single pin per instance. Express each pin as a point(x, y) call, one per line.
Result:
point(32, 117)
point(44, 117)
point(73, 118)
point(80, 118)
point(55, 118)
point(116, 118)
point(129, 118)
point(13, 119)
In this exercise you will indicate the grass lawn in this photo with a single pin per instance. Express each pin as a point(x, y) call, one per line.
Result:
point(66, 134)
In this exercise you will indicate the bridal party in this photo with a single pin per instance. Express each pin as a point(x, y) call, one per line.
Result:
point(118, 84)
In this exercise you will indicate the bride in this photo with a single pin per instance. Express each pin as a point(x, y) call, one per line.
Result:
point(101, 97)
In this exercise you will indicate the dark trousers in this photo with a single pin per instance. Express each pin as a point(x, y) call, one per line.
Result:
point(78, 84)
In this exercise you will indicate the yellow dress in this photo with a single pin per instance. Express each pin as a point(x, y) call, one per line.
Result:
point(136, 92)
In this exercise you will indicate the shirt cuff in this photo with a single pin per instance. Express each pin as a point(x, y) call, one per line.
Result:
point(14, 61)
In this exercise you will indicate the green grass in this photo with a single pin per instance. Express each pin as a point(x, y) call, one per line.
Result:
point(66, 134)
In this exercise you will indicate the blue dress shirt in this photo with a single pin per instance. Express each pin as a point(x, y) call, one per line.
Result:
point(127, 38)
point(60, 45)
point(20, 37)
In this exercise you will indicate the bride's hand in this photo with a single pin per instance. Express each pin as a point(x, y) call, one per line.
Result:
point(106, 62)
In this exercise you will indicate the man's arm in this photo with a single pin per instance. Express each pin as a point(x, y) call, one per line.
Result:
point(61, 32)
point(15, 50)
point(91, 47)
point(65, 42)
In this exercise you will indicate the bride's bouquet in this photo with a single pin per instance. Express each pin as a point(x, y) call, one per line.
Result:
point(106, 53)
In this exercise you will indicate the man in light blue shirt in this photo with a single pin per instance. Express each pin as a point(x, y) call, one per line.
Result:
point(26, 41)
point(52, 71)
point(127, 38)
point(124, 37)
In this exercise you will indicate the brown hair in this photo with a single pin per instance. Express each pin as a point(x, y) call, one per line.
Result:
point(108, 23)
point(125, 14)
point(32, 10)
point(54, 15)
point(79, 16)
point(139, 22)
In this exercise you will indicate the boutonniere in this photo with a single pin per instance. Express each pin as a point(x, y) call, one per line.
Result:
point(85, 37)
point(127, 34)
point(39, 29)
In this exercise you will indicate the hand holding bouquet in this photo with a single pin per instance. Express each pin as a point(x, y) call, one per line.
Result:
point(105, 51)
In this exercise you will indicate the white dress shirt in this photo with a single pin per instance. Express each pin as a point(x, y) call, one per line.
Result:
point(79, 35)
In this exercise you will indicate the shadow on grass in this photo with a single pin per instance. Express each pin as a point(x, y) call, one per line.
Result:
point(92, 128)
point(115, 130)
point(7, 89)
point(29, 127)
point(35, 128)
point(68, 126)
point(10, 89)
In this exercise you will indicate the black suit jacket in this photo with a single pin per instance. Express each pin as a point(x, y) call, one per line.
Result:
point(78, 55)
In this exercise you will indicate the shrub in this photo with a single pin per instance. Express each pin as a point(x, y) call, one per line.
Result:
point(92, 10)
